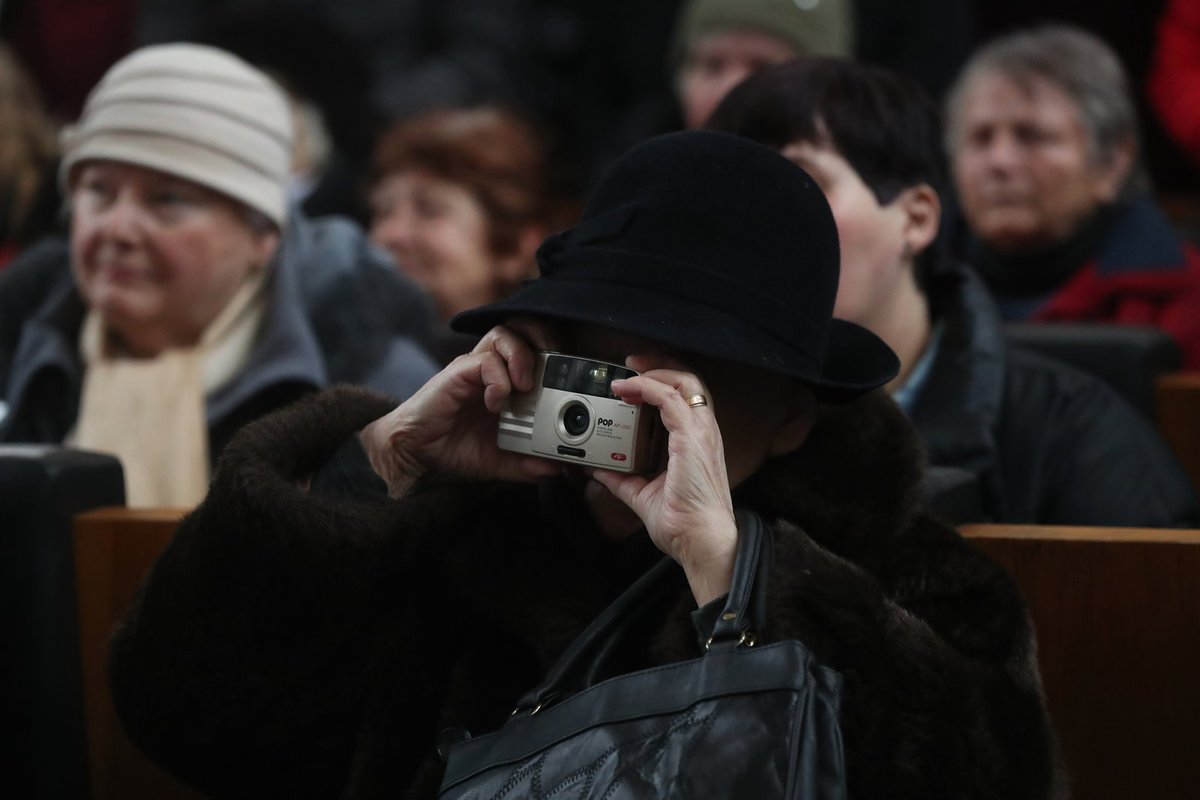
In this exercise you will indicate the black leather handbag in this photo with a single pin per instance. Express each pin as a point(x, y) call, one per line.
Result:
point(741, 721)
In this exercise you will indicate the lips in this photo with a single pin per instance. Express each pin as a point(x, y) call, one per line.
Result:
point(1004, 199)
point(121, 273)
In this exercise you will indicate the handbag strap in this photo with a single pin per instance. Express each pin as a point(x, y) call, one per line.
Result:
point(745, 612)
point(742, 616)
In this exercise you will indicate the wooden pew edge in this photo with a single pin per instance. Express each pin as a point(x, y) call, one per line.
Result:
point(1069, 533)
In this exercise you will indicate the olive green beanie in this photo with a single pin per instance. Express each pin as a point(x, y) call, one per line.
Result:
point(810, 27)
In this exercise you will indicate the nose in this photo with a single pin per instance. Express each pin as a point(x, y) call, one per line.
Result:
point(1003, 152)
point(124, 220)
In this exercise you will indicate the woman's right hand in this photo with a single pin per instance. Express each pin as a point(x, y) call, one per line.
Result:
point(448, 427)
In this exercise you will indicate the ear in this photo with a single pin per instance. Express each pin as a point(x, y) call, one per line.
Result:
point(518, 265)
point(265, 245)
point(800, 411)
point(922, 210)
point(1110, 176)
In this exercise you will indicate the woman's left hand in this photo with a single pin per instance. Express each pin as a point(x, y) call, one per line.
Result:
point(687, 509)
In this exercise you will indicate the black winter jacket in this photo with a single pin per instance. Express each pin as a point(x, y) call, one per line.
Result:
point(1049, 444)
point(295, 644)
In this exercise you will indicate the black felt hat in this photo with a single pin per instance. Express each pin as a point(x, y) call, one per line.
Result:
point(712, 244)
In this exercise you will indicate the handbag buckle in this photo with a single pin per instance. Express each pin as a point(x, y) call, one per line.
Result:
point(747, 639)
point(539, 704)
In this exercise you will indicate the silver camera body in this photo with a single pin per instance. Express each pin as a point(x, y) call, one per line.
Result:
point(572, 415)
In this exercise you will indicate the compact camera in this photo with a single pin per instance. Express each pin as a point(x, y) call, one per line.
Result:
point(572, 415)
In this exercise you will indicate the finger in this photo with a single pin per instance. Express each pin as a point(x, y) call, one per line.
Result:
point(671, 403)
point(686, 382)
point(495, 375)
point(515, 349)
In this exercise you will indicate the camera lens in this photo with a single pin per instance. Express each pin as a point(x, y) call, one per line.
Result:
point(576, 419)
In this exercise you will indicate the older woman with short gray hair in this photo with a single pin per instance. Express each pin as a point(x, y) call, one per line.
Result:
point(1044, 144)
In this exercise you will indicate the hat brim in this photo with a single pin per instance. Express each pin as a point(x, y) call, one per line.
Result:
point(856, 360)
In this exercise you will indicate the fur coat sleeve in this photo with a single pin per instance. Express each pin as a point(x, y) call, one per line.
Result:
point(292, 644)
point(288, 644)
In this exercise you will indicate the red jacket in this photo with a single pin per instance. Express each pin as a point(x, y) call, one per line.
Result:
point(1173, 86)
point(1144, 274)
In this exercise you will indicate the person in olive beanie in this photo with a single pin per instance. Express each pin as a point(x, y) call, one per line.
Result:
point(717, 43)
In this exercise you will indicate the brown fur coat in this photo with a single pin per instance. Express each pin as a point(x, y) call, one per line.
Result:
point(297, 644)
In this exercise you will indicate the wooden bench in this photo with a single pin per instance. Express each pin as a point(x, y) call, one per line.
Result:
point(1177, 409)
point(114, 548)
point(1117, 612)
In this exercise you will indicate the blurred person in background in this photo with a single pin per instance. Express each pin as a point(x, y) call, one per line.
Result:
point(421, 54)
point(29, 198)
point(1048, 444)
point(1173, 86)
point(718, 43)
point(459, 200)
point(188, 300)
point(328, 80)
point(1044, 143)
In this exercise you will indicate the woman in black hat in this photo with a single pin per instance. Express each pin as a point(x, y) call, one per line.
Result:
point(291, 642)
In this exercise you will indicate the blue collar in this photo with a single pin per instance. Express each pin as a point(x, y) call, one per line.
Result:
point(906, 395)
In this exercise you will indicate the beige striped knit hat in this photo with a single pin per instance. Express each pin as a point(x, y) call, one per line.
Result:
point(195, 112)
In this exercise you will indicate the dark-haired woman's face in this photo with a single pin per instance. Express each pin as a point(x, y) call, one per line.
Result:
point(870, 235)
point(438, 233)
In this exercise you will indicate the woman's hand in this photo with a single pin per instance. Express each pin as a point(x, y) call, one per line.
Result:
point(449, 426)
point(687, 509)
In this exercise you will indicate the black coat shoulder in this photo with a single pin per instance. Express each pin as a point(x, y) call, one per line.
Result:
point(1073, 450)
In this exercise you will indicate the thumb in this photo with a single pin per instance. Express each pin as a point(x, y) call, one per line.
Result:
point(626, 488)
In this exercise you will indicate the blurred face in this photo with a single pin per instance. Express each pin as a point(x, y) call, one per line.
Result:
point(716, 63)
point(158, 257)
point(1024, 170)
point(871, 236)
point(438, 233)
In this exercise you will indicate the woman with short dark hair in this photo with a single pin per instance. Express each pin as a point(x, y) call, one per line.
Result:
point(1047, 443)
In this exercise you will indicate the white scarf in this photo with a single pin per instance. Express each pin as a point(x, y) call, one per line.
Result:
point(150, 412)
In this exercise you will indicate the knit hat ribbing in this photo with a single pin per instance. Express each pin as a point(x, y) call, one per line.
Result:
point(195, 112)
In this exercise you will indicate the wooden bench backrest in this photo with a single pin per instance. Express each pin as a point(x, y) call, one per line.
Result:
point(114, 548)
point(1117, 612)
point(1177, 409)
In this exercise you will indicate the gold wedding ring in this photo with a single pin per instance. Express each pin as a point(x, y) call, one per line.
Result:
point(697, 400)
